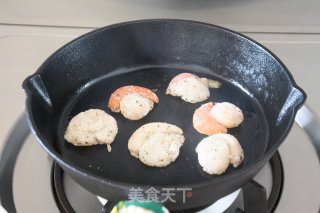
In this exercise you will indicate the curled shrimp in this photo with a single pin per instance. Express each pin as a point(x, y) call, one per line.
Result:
point(116, 96)
point(205, 123)
point(133, 102)
point(215, 118)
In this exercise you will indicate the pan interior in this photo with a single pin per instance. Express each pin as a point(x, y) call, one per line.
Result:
point(119, 165)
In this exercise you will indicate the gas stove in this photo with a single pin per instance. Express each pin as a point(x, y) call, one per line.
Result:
point(31, 182)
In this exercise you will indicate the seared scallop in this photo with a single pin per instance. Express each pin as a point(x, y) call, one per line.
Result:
point(156, 144)
point(213, 156)
point(190, 87)
point(228, 114)
point(216, 152)
point(160, 149)
point(91, 127)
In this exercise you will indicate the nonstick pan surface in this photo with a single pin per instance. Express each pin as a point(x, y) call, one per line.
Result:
point(82, 75)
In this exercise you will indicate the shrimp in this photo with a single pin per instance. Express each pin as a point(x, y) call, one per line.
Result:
point(212, 118)
point(191, 88)
point(205, 123)
point(181, 77)
point(134, 102)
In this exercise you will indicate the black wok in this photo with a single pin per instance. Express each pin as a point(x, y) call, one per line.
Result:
point(83, 74)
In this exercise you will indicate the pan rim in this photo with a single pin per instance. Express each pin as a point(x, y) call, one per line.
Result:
point(124, 185)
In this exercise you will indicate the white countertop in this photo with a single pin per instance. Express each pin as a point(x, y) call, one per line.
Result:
point(241, 15)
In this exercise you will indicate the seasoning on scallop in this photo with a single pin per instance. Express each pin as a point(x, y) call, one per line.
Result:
point(216, 152)
point(91, 127)
point(134, 102)
point(156, 144)
point(215, 118)
point(191, 88)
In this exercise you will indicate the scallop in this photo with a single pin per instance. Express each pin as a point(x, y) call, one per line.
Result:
point(91, 127)
point(216, 152)
point(190, 90)
point(160, 149)
point(156, 144)
point(227, 114)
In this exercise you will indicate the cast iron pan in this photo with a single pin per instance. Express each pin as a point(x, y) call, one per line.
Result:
point(82, 75)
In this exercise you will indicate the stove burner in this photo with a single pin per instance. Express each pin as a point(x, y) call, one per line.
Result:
point(58, 189)
point(254, 195)
point(8, 159)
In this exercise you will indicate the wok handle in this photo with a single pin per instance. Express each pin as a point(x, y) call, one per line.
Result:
point(34, 85)
point(309, 121)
